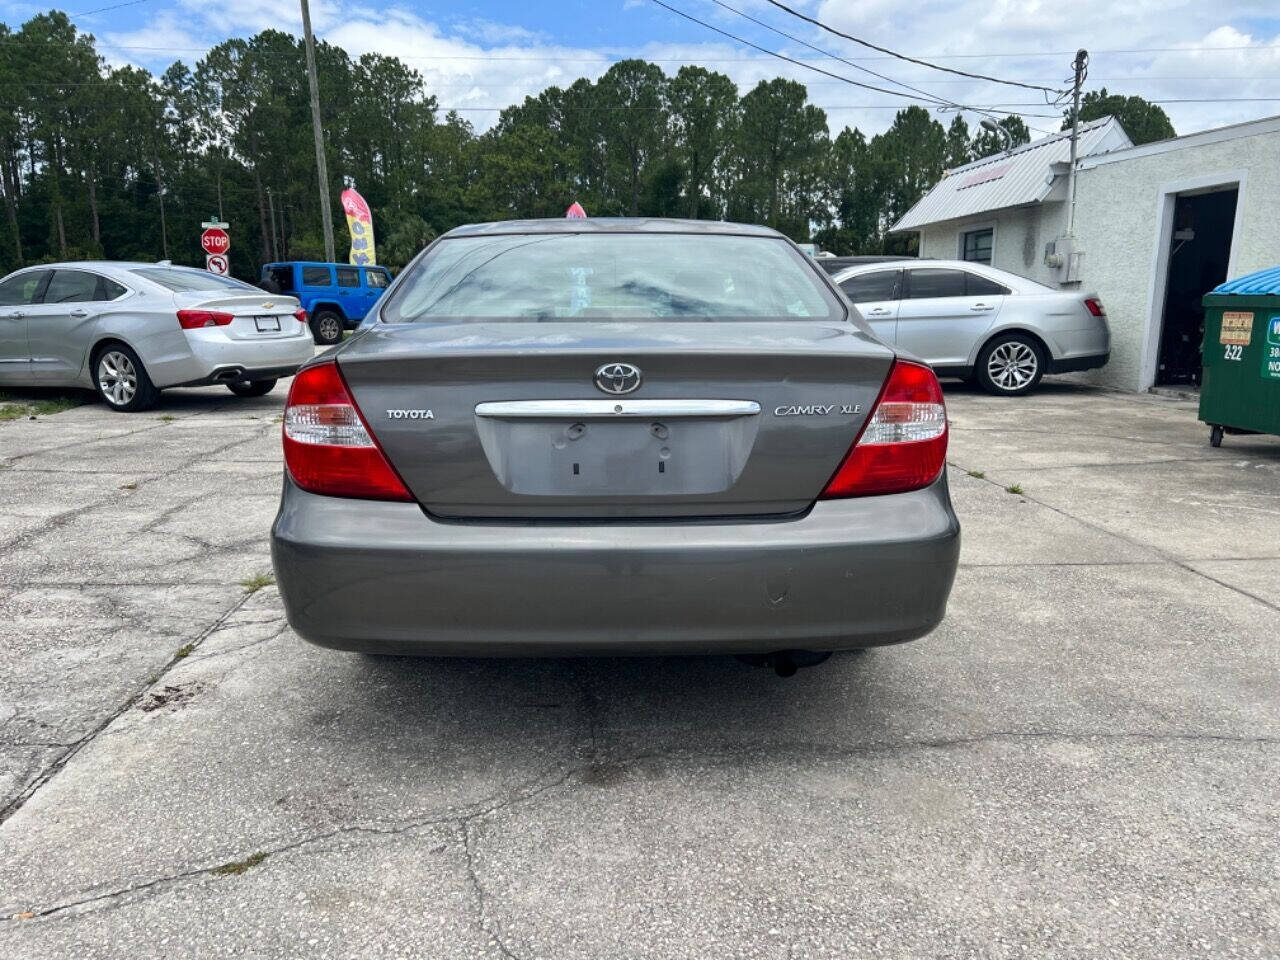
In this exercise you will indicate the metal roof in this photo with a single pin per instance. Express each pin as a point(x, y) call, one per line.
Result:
point(1021, 177)
point(1261, 283)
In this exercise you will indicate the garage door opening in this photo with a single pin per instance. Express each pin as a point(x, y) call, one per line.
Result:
point(1199, 252)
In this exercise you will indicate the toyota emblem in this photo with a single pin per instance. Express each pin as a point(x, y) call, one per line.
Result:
point(618, 378)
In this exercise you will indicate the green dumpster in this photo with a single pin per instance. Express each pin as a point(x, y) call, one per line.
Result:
point(1240, 390)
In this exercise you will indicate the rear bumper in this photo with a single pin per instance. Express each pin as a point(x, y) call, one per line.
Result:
point(235, 373)
point(1073, 364)
point(387, 578)
point(212, 354)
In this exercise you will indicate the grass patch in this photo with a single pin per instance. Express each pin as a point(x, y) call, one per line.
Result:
point(257, 582)
point(185, 651)
point(166, 418)
point(19, 407)
point(977, 474)
point(1015, 489)
point(237, 867)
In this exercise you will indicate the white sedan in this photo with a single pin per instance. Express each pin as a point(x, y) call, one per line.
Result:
point(972, 321)
point(129, 330)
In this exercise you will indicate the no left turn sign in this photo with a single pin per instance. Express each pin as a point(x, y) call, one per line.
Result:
point(216, 263)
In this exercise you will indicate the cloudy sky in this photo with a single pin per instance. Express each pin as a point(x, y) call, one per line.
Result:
point(480, 55)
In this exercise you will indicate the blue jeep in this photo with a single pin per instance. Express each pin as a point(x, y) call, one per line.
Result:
point(336, 296)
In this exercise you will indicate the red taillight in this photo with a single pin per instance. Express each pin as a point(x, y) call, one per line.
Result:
point(903, 444)
point(195, 319)
point(1094, 306)
point(301, 314)
point(328, 448)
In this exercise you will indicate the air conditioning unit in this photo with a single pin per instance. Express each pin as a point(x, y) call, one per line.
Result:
point(1063, 259)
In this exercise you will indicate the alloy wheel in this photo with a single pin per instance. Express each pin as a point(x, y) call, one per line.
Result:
point(330, 329)
point(117, 377)
point(1012, 365)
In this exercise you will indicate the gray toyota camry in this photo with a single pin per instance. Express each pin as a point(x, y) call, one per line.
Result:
point(600, 436)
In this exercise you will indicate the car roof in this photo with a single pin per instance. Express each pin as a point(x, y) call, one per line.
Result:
point(1013, 280)
point(107, 267)
point(611, 225)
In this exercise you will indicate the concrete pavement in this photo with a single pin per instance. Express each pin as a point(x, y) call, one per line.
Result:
point(1081, 762)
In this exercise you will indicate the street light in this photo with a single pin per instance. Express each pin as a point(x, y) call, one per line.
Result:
point(990, 125)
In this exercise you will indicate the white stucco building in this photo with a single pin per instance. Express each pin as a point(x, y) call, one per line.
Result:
point(1156, 226)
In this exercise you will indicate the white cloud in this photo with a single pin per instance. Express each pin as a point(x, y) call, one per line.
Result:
point(477, 63)
point(462, 73)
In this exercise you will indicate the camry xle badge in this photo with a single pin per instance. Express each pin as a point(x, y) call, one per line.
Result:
point(410, 415)
point(816, 410)
point(618, 378)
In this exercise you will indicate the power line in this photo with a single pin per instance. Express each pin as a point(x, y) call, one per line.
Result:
point(902, 56)
point(783, 56)
point(944, 103)
point(827, 53)
point(932, 101)
point(114, 6)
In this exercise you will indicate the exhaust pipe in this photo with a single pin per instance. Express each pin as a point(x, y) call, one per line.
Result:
point(784, 663)
point(229, 374)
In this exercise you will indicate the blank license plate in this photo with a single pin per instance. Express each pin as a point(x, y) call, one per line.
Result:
point(265, 324)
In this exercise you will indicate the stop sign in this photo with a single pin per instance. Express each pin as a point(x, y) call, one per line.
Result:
point(215, 240)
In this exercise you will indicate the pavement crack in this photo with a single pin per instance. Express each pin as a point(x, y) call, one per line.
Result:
point(464, 821)
point(240, 648)
point(59, 762)
point(262, 853)
point(495, 937)
point(59, 520)
point(1131, 541)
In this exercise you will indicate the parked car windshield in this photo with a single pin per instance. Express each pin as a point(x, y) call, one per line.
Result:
point(184, 281)
point(611, 276)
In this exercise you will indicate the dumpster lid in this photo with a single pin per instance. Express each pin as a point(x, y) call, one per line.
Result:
point(1263, 282)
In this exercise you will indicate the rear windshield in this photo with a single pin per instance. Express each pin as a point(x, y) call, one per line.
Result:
point(183, 281)
point(611, 276)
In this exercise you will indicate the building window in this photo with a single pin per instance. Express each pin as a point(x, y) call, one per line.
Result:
point(977, 245)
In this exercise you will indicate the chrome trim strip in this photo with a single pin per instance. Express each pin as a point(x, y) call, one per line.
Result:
point(14, 360)
point(604, 409)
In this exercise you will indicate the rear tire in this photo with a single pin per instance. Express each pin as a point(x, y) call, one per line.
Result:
point(1215, 436)
point(252, 388)
point(1010, 365)
point(121, 380)
point(326, 327)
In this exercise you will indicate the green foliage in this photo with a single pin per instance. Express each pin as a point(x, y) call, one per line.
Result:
point(100, 161)
point(38, 403)
point(1142, 120)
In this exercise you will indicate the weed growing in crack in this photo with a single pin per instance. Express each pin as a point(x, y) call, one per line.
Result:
point(166, 418)
point(237, 867)
point(185, 651)
point(1015, 489)
point(257, 582)
point(977, 474)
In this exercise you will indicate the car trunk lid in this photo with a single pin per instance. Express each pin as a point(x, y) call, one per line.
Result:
point(506, 420)
point(258, 316)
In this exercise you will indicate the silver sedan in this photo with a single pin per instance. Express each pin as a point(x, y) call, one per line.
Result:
point(129, 330)
point(972, 321)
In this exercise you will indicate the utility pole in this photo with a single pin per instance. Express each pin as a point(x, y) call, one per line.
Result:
point(1081, 62)
point(322, 168)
